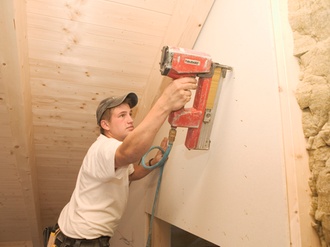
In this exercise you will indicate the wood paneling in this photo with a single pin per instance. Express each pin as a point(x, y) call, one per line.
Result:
point(20, 214)
point(58, 60)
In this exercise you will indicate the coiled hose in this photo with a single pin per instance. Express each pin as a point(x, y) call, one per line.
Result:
point(160, 164)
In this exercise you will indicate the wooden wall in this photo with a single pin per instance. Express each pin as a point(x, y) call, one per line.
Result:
point(58, 60)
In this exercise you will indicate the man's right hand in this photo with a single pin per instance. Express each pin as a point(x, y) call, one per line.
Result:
point(178, 93)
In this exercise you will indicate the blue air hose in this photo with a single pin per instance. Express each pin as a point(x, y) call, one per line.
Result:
point(161, 165)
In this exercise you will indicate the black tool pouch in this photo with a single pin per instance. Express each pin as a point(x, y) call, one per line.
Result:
point(46, 234)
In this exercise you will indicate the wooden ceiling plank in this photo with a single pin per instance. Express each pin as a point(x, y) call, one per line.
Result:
point(54, 92)
point(102, 13)
point(15, 79)
point(186, 23)
point(78, 55)
point(56, 29)
point(81, 40)
point(163, 6)
point(85, 75)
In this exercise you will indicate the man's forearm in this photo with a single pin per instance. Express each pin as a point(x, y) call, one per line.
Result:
point(139, 172)
point(137, 143)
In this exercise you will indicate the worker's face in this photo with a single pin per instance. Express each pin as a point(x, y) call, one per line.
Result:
point(121, 122)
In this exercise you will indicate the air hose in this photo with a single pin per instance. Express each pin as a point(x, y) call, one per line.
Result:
point(160, 164)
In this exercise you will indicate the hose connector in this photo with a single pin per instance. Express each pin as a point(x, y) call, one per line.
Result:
point(171, 138)
point(171, 135)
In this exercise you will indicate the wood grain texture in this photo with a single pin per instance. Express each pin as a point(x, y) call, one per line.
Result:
point(59, 59)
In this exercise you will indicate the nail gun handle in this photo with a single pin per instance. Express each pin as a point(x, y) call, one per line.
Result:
point(192, 118)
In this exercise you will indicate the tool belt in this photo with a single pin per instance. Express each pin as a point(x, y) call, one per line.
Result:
point(49, 235)
point(59, 239)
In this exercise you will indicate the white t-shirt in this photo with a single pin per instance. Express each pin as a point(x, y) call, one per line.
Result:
point(100, 196)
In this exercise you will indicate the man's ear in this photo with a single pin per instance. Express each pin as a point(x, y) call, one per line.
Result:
point(105, 124)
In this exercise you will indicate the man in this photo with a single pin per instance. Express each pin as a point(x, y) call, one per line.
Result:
point(100, 196)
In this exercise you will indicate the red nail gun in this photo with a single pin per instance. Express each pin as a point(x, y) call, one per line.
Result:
point(180, 62)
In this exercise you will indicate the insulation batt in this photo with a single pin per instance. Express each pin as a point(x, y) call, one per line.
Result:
point(311, 31)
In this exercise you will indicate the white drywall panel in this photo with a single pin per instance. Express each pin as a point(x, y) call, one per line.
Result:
point(235, 193)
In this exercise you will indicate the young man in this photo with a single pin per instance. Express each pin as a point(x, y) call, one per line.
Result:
point(100, 196)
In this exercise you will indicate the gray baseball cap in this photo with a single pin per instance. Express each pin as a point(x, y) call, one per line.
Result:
point(114, 101)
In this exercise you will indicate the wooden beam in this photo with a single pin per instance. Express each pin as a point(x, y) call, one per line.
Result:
point(15, 81)
point(161, 233)
point(295, 158)
point(185, 25)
